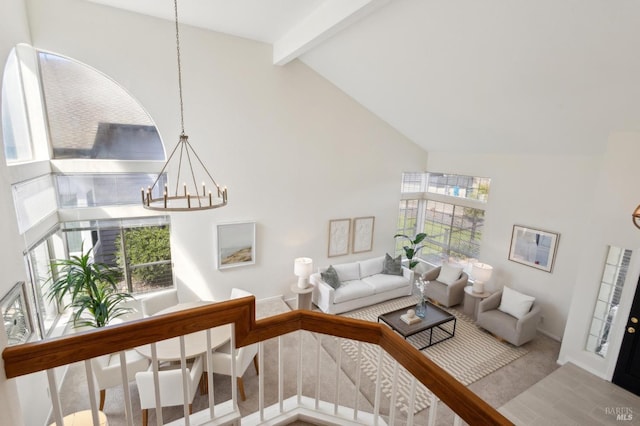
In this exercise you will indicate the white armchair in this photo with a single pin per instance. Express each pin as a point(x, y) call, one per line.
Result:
point(106, 370)
point(171, 389)
point(159, 301)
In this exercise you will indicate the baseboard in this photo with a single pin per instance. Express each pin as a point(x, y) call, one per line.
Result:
point(551, 336)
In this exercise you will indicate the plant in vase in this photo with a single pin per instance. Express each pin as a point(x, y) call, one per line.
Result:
point(412, 249)
point(421, 307)
point(92, 288)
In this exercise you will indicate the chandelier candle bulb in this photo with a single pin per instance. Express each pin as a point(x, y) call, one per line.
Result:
point(204, 191)
point(188, 200)
point(210, 199)
point(224, 196)
point(142, 191)
point(185, 189)
point(165, 199)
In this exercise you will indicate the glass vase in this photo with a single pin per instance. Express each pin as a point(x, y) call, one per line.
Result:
point(421, 308)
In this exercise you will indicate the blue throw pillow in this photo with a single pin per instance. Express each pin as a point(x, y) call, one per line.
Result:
point(392, 266)
point(330, 276)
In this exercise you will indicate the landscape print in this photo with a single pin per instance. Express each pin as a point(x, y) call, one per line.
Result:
point(236, 244)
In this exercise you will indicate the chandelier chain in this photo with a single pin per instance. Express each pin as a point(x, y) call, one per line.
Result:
point(175, 7)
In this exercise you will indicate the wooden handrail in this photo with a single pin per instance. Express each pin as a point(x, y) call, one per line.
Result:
point(46, 354)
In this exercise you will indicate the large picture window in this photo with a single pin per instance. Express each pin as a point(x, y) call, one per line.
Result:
point(449, 209)
point(138, 249)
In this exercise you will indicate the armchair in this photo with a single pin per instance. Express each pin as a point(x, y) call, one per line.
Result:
point(445, 294)
point(516, 331)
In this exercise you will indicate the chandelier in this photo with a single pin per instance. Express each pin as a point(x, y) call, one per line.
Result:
point(636, 217)
point(191, 196)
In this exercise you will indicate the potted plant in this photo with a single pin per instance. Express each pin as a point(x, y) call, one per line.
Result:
point(410, 250)
point(91, 287)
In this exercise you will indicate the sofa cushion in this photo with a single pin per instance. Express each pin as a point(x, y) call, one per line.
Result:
point(383, 282)
point(350, 290)
point(392, 265)
point(330, 276)
point(515, 303)
point(449, 273)
point(348, 271)
point(371, 266)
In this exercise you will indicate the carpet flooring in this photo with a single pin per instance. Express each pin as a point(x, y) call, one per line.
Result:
point(470, 355)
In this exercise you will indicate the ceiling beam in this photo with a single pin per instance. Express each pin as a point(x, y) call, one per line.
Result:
point(327, 20)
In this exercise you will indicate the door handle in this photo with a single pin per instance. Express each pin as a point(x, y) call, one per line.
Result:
point(634, 320)
point(631, 330)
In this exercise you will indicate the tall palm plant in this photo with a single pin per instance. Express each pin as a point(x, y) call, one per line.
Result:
point(91, 288)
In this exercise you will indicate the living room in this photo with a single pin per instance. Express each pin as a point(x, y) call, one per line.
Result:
point(569, 172)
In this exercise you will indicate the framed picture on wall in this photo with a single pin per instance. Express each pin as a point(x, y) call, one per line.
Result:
point(236, 244)
point(16, 316)
point(362, 234)
point(533, 247)
point(339, 232)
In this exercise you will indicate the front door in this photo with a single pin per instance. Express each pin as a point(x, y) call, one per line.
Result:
point(627, 372)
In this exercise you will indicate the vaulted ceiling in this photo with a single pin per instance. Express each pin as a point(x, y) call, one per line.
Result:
point(486, 76)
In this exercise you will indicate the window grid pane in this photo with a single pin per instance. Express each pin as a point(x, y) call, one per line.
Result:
point(604, 313)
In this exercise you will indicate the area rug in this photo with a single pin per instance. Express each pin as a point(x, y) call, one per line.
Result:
point(470, 355)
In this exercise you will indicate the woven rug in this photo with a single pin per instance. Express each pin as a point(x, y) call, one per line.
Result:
point(470, 355)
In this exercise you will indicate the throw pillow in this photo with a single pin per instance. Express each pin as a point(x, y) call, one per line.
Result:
point(449, 273)
point(515, 303)
point(392, 266)
point(330, 276)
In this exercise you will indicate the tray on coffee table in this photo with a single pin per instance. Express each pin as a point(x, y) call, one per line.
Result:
point(434, 318)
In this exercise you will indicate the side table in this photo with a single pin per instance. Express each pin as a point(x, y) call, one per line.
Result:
point(303, 295)
point(472, 301)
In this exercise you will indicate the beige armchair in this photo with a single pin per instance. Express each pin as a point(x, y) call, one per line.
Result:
point(443, 294)
point(513, 330)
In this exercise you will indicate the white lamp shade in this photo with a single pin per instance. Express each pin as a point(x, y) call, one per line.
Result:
point(303, 267)
point(482, 272)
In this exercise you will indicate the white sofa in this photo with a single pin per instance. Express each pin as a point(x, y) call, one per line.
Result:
point(362, 284)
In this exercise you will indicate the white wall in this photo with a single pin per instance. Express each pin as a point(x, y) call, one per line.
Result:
point(552, 193)
point(615, 200)
point(293, 150)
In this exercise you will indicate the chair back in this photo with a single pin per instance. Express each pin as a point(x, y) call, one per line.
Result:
point(170, 382)
point(237, 293)
point(158, 302)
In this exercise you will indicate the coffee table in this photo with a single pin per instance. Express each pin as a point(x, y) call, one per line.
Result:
point(434, 318)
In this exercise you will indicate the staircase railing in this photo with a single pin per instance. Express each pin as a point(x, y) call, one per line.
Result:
point(48, 354)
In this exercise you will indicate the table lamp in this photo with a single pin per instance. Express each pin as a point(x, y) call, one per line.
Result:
point(481, 274)
point(302, 268)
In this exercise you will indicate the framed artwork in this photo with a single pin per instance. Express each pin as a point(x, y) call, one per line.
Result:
point(362, 234)
point(339, 231)
point(236, 244)
point(16, 316)
point(533, 247)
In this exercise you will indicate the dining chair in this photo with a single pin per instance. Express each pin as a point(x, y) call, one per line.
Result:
point(222, 358)
point(106, 370)
point(171, 388)
point(159, 301)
